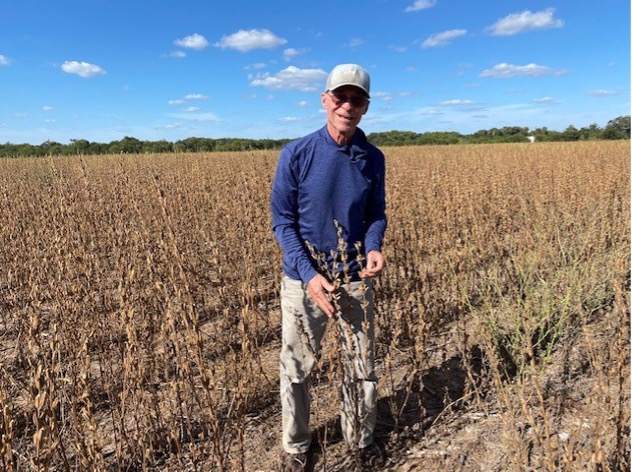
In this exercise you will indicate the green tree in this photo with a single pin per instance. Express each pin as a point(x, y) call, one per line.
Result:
point(571, 134)
point(618, 128)
point(590, 133)
point(79, 146)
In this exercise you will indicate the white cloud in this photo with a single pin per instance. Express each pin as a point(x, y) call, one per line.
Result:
point(504, 70)
point(191, 96)
point(177, 54)
point(4, 60)
point(245, 41)
point(196, 96)
point(602, 93)
point(82, 69)
point(306, 80)
point(443, 38)
point(420, 5)
point(256, 65)
point(194, 41)
point(389, 96)
point(302, 103)
point(545, 101)
point(291, 53)
point(457, 103)
point(525, 21)
point(47, 108)
point(355, 42)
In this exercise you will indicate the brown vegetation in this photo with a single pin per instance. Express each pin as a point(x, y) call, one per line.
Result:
point(139, 317)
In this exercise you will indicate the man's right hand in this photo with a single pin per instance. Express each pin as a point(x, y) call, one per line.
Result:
point(318, 287)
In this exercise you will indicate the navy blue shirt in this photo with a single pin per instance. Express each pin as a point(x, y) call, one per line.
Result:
point(318, 185)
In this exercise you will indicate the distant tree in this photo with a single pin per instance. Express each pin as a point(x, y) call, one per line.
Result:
point(515, 131)
point(546, 135)
point(79, 146)
point(51, 148)
point(97, 148)
point(571, 134)
point(157, 147)
point(590, 133)
point(618, 128)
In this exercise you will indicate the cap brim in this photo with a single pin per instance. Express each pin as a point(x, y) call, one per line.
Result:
point(349, 84)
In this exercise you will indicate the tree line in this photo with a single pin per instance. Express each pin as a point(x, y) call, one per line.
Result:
point(617, 128)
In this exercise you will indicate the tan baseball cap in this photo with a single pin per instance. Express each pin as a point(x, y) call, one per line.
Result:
point(349, 74)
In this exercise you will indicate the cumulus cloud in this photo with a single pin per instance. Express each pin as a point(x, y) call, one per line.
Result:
point(245, 41)
point(4, 60)
point(420, 5)
point(525, 21)
point(194, 41)
point(504, 70)
point(443, 38)
point(291, 53)
point(47, 108)
point(82, 69)
point(306, 80)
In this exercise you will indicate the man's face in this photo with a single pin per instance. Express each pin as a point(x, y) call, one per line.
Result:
point(345, 107)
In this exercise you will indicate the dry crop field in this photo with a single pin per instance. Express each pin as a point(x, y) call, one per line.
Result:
point(140, 324)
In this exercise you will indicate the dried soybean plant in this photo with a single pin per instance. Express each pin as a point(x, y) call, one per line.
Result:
point(135, 310)
point(343, 363)
point(508, 260)
point(140, 325)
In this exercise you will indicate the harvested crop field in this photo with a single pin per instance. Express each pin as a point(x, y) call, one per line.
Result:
point(140, 321)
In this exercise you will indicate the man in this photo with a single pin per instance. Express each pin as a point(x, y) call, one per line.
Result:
point(328, 215)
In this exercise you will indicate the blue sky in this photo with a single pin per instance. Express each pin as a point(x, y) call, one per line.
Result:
point(105, 69)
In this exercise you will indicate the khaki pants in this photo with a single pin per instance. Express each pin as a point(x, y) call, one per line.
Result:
point(302, 320)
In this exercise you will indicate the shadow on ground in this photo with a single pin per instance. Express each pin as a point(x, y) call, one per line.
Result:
point(406, 414)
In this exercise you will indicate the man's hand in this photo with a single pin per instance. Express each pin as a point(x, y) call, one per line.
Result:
point(318, 287)
point(375, 263)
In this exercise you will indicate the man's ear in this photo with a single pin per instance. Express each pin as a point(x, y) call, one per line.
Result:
point(323, 96)
point(367, 107)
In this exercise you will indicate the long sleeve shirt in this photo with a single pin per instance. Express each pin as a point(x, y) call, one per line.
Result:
point(322, 190)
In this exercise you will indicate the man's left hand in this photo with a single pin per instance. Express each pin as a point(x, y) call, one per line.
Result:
point(375, 263)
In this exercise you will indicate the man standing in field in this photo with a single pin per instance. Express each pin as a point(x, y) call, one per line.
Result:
point(328, 215)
